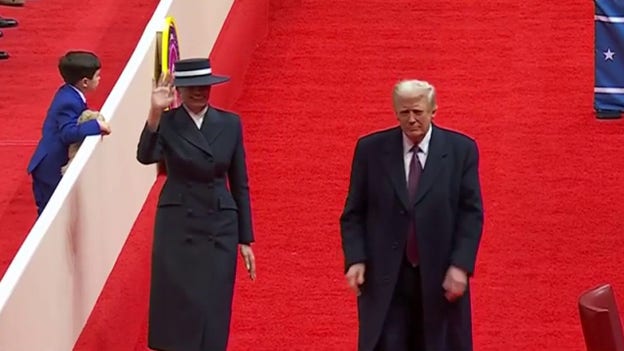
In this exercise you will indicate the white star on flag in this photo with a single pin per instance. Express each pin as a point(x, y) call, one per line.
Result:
point(609, 54)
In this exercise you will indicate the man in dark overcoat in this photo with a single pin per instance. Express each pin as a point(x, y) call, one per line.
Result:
point(411, 228)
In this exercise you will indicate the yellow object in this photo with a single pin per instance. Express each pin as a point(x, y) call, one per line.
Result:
point(169, 51)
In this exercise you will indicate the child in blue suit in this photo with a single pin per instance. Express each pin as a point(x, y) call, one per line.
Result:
point(81, 72)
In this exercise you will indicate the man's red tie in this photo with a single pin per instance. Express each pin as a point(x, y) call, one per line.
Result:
point(412, 185)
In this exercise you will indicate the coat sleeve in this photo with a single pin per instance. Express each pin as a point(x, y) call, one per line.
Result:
point(150, 146)
point(69, 130)
point(470, 216)
point(239, 186)
point(353, 218)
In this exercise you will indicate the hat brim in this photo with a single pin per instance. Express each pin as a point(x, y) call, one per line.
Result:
point(200, 81)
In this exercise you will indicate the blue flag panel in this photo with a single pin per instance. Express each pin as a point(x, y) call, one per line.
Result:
point(609, 55)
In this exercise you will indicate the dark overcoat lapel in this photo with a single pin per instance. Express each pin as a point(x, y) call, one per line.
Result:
point(435, 158)
point(203, 139)
point(394, 165)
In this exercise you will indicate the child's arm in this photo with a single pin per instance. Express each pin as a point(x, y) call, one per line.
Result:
point(72, 132)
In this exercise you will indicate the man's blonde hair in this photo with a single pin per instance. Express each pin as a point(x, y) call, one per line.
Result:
point(414, 87)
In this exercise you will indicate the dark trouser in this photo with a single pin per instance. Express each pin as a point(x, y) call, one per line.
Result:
point(42, 191)
point(403, 327)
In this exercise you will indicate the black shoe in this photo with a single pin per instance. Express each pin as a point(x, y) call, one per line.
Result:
point(7, 22)
point(12, 2)
point(4, 55)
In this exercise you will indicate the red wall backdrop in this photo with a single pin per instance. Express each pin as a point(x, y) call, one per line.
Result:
point(244, 28)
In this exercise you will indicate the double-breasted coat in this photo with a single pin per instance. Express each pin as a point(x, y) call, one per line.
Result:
point(200, 220)
point(448, 218)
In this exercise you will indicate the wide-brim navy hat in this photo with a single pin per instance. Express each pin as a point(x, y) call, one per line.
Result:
point(195, 72)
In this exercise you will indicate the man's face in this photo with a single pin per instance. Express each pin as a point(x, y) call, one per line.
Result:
point(195, 98)
point(414, 114)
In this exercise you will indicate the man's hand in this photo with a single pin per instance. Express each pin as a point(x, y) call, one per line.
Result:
point(355, 277)
point(250, 260)
point(455, 283)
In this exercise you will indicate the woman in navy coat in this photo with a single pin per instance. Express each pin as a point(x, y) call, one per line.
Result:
point(203, 215)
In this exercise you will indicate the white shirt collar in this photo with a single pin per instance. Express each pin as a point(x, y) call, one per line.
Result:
point(423, 145)
point(196, 115)
point(82, 96)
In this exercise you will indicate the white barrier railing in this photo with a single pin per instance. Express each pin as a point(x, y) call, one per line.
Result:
point(51, 286)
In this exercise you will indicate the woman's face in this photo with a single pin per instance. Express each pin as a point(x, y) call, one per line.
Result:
point(195, 98)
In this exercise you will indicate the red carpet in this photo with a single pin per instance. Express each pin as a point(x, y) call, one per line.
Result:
point(517, 77)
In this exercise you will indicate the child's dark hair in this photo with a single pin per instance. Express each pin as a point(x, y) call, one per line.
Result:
point(76, 65)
